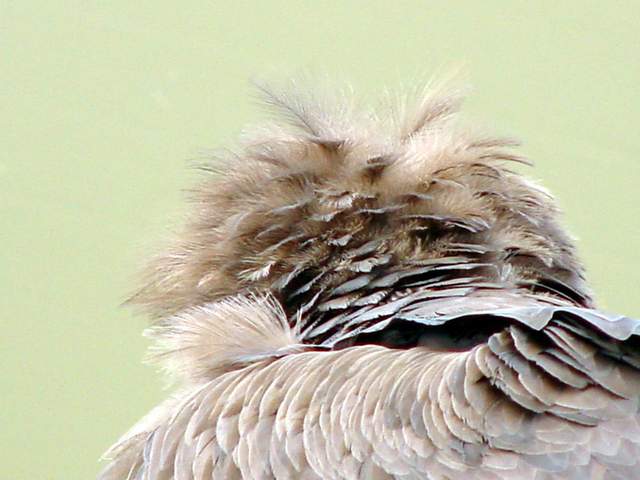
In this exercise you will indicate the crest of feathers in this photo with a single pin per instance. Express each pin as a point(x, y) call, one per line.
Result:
point(328, 197)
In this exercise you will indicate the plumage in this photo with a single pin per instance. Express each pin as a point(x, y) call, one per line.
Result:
point(377, 295)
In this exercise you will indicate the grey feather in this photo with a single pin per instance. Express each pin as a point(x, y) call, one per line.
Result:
point(365, 296)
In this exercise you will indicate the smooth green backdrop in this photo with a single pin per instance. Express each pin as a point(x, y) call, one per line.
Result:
point(103, 103)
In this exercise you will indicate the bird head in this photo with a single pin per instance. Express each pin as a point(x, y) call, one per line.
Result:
point(342, 215)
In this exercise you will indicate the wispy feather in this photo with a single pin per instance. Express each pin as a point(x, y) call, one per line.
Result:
point(204, 341)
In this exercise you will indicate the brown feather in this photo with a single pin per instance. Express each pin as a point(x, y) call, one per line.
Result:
point(284, 204)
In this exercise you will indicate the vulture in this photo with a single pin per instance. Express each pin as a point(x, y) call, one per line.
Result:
point(379, 293)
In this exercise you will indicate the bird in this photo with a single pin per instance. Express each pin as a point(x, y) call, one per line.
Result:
point(379, 293)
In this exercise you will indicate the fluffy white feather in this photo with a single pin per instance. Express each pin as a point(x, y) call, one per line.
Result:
point(204, 341)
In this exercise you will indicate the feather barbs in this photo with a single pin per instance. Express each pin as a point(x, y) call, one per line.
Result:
point(207, 340)
point(325, 179)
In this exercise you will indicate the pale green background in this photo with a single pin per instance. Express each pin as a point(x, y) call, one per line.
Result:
point(103, 103)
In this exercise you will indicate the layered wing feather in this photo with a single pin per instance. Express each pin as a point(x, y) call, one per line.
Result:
point(554, 394)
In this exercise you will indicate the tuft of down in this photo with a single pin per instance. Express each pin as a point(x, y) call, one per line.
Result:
point(205, 341)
